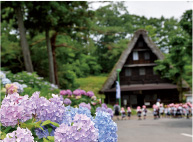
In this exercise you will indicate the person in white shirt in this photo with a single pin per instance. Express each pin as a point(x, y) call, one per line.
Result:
point(129, 113)
point(166, 111)
point(139, 112)
point(155, 111)
point(122, 113)
point(161, 110)
point(144, 111)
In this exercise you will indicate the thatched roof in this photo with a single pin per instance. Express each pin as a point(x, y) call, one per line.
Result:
point(113, 75)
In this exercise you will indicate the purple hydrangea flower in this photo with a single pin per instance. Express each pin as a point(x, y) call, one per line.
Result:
point(67, 101)
point(105, 109)
point(83, 92)
point(19, 87)
point(90, 93)
point(82, 130)
point(104, 105)
point(85, 105)
point(14, 108)
point(77, 92)
point(20, 135)
point(69, 92)
point(44, 109)
point(56, 100)
point(63, 92)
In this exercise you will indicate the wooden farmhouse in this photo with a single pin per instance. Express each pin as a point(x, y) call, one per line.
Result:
point(138, 82)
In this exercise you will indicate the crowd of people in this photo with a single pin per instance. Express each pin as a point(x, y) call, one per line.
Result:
point(159, 111)
point(172, 110)
point(140, 111)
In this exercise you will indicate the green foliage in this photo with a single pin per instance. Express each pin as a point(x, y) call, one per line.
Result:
point(34, 83)
point(177, 64)
point(88, 42)
point(93, 83)
point(48, 122)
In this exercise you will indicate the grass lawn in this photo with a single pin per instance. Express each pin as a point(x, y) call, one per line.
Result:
point(92, 83)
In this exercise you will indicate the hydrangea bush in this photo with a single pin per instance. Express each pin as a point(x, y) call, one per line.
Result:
point(107, 128)
point(26, 83)
point(80, 97)
point(36, 118)
point(81, 130)
point(20, 135)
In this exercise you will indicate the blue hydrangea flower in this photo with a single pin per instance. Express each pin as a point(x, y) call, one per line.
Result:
point(44, 133)
point(2, 75)
point(70, 112)
point(107, 128)
point(40, 133)
point(5, 81)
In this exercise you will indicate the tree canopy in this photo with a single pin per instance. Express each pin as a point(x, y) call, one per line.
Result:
point(83, 42)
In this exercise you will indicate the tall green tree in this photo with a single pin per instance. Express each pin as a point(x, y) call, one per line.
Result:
point(60, 17)
point(174, 65)
point(18, 12)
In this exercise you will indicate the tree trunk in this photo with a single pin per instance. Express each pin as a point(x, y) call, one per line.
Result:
point(50, 58)
point(180, 90)
point(53, 44)
point(55, 66)
point(24, 43)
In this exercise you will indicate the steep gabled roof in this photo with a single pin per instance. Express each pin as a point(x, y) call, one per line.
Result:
point(113, 75)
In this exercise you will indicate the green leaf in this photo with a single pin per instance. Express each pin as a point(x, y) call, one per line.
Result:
point(3, 135)
point(45, 140)
point(55, 124)
point(37, 124)
point(49, 130)
point(50, 122)
point(51, 138)
point(7, 129)
point(29, 126)
point(29, 121)
point(46, 122)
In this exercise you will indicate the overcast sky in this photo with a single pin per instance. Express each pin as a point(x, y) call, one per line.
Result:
point(155, 8)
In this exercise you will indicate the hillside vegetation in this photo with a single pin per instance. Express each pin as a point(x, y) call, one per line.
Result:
point(92, 83)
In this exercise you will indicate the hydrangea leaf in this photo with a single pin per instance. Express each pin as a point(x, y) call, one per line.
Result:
point(51, 138)
point(50, 122)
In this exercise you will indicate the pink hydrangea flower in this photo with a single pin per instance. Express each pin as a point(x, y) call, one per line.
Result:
point(11, 88)
point(63, 92)
point(90, 93)
point(77, 92)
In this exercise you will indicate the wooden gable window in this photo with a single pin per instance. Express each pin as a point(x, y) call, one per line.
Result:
point(141, 71)
point(140, 44)
point(146, 55)
point(128, 72)
point(135, 55)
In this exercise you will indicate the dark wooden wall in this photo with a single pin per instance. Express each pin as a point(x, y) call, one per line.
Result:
point(166, 96)
point(135, 78)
